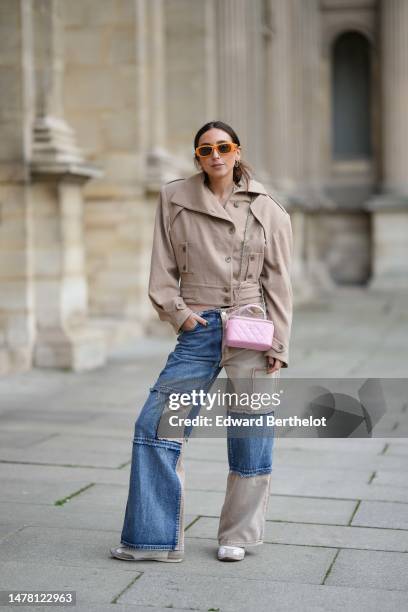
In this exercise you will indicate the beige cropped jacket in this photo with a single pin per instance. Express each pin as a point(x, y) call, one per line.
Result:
point(197, 249)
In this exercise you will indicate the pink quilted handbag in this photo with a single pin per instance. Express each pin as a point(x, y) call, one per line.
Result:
point(249, 332)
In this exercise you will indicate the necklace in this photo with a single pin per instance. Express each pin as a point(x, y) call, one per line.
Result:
point(223, 204)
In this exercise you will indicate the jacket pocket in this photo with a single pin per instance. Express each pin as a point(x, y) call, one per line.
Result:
point(183, 257)
point(255, 261)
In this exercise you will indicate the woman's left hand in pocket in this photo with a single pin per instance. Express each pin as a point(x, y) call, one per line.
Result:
point(273, 365)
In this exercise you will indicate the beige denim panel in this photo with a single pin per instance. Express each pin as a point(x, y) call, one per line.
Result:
point(243, 515)
point(180, 471)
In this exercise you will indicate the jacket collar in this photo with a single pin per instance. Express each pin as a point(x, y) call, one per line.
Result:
point(192, 193)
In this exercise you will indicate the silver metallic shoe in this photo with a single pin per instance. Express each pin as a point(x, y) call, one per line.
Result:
point(132, 554)
point(230, 553)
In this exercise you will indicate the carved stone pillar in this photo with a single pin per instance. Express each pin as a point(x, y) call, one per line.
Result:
point(160, 165)
point(17, 316)
point(390, 207)
point(306, 146)
point(58, 171)
point(234, 67)
point(291, 51)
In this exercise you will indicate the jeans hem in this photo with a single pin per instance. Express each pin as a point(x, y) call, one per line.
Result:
point(249, 473)
point(150, 546)
point(241, 544)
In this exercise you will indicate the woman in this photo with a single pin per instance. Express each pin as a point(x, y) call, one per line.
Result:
point(199, 271)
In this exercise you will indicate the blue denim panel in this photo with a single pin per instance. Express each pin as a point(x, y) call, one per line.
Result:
point(250, 455)
point(195, 359)
point(153, 507)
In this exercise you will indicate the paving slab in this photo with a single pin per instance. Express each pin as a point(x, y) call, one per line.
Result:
point(306, 534)
point(341, 490)
point(307, 510)
point(314, 476)
point(90, 584)
point(355, 461)
point(89, 444)
point(388, 477)
point(104, 496)
point(370, 569)
point(36, 416)
point(88, 549)
point(381, 514)
point(8, 528)
point(62, 516)
point(350, 445)
point(38, 492)
point(397, 448)
point(46, 473)
point(94, 518)
point(235, 594)
point(205, 476)
point(68, 457)
point(21, 439)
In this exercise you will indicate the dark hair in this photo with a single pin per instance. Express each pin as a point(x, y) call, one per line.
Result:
point(243, 170)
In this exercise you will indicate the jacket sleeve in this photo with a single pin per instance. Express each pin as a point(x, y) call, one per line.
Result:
point(164, 287)
point(277, 287)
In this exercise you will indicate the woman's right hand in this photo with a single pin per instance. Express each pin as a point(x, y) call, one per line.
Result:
point(191, 323)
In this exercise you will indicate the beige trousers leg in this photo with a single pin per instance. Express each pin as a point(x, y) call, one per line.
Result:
point(243, 514)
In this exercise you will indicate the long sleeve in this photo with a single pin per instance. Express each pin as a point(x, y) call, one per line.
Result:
point(276, 283)
point(164, 288)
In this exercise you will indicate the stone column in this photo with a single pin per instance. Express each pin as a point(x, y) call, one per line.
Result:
point(190, 74)
point(306, 112)
point(390, 207)
point(287, 131)
point(307, 108)
point(58, 172)
point(234, 91)
point(280, 120)
point(161, 166)
point(17, 322)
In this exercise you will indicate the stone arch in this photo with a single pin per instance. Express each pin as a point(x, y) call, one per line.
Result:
point(333, 31)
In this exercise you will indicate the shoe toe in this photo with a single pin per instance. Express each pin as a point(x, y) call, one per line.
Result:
point(231, 553)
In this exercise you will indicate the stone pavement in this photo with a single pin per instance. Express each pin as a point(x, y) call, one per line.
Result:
point(337, 529)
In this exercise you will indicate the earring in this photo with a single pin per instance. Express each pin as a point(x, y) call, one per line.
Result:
point(237, 163)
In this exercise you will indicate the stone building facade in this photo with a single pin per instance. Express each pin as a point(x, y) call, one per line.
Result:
point(99, 103)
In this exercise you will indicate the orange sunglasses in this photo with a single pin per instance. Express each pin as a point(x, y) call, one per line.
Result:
point(223, 148)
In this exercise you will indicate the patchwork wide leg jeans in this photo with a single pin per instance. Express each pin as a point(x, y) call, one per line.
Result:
point(154, 517)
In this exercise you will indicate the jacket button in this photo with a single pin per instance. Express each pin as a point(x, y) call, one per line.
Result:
point(184, 267)
point(228, 259)
point(236, 204)
point(231, 230)
point(252, 257)
point(226, 300)
point(226, 289)
point(250, 276)
point(184, 248)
